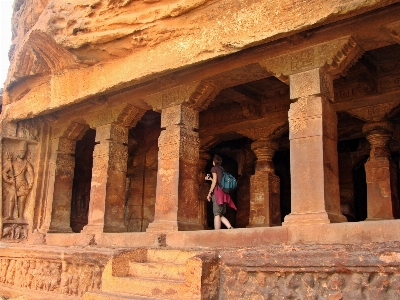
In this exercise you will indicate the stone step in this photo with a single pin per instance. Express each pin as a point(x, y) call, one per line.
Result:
point(113, 296)
point(165, 289)
point(158, 270)
point(169, 256)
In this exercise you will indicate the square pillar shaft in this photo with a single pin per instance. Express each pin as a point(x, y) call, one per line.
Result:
point(313, 151)
point(177, 205)
point(60, 185)
point(264, 200)
point(381, 176)
point(107, 193)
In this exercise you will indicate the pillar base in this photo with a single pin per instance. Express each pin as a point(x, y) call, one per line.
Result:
point(162, 226)
point(260, 225)
point(66, 229)
point(379, 219)
point(188, 226)
point(295, 219)
point(93, 229)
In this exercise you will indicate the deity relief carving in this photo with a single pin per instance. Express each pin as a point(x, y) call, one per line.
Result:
point(18, 176)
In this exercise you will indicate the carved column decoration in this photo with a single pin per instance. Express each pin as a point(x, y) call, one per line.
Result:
point(264, 184)
point(381, 172)
point(264, 187)
point(177, 178)
point(313, 150)
point(203, 187)
point(60, 184)
point(107, 194)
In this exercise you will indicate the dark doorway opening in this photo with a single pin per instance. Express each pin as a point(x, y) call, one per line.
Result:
point(82, 180)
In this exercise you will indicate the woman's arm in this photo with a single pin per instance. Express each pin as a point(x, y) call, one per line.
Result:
point(213, 184)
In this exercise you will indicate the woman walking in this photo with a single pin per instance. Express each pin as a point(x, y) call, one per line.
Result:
point(218, 197)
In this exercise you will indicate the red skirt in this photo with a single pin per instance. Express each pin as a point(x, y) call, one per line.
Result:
point(222, 198)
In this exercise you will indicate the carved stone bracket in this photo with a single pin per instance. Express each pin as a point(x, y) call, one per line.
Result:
point(333, 56)
point(271, 132)
point(40, 54)
point(208, 142)
point(197, 94)
point(394, 30)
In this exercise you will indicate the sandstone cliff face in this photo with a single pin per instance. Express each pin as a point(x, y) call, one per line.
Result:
point(113, 44)
point(101, 30)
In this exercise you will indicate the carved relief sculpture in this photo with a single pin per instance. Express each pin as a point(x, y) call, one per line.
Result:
point(18, 175)
point(18, 178)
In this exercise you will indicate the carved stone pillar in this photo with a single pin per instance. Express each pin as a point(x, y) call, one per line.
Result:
point(204, 187)
point(177, 205)
point(381, 173)
point(107, 194)
point(62, 164)
point(313, 150)
point(264, 187)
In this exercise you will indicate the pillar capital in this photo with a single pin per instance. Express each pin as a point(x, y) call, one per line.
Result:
point(265, 151)
point(311, 82)
point(333, 57)
point(378, 134)
point(196, 94)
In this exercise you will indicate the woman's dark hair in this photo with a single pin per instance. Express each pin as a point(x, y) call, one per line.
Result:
point(217, 160)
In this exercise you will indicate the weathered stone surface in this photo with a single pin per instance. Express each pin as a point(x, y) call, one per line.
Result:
point(120, 106)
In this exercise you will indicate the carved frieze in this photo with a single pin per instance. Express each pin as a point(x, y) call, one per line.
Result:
point(171, 97)
point(180, 115)
point(58, 277)
point(28, 129)
point(389, 83)
point(15, 231)
point(362, 87)
point(334, 56)
point(373, 112)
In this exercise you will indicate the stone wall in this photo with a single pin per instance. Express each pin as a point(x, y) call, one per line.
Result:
point(370, 271)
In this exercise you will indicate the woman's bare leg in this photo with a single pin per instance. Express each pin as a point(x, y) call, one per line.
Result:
point(226, 222)
point(217, 222)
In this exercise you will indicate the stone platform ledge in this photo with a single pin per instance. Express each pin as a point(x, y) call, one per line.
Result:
point(123, 239)
point(334, 233)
